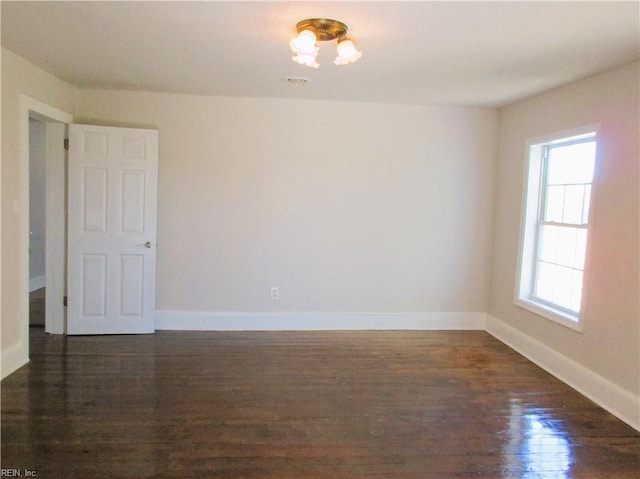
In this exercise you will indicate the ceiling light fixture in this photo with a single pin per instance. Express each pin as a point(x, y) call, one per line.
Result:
point(315, 30)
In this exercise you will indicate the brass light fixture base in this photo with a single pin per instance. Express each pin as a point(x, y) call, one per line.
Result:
point(324, 28)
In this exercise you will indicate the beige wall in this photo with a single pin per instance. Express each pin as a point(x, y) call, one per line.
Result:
point(345, 207)
point(356, 207)
point(610, 343)
point(20, 77)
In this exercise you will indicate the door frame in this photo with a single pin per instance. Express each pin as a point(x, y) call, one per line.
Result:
point(55, 230)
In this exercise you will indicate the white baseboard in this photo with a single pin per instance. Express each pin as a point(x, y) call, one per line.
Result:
point(13, 358)
point(618, 401)
point(240, 321)
point(37, 283)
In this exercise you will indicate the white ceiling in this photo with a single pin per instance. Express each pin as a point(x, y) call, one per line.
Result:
point(457, 53)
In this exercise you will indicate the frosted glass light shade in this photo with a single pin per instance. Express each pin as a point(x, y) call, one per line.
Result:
point(304, 43)
point(305, 47)
point(347, 53)
point(308, 60)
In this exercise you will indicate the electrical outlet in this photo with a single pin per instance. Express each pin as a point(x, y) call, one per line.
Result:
point(275, 293)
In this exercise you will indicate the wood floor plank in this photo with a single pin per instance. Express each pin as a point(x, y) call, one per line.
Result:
point(383, 404)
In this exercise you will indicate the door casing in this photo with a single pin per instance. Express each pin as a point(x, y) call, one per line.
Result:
point(19, 354)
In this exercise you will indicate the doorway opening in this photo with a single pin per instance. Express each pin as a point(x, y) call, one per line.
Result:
point(44, 130)
point(37, 221)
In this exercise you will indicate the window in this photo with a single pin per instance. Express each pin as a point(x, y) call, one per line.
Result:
point(556, 218)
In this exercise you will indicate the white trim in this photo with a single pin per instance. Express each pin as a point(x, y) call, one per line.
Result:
point(549, 313)
point(17, 355)
point(13, 358)
point(304, 321)
point(43, 111)
point(56, 234)
point(618, 401)
point(568, 133)
point(529, 227)
point(30, 107)
point(37, 283)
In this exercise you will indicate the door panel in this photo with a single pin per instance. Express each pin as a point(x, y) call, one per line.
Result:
point(112, 230)
point(131, 279)
point(94, 200)
point(94, 285)
point(133, 201)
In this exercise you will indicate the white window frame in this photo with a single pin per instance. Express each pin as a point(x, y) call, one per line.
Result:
point(531, 204)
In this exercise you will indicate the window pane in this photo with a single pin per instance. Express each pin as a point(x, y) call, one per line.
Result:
point(581, 248)
point(562, 286)
point(554, 284)
point(544, 282)
point(566, 247)
point(554, 204)
point(573, 204)
point(571, 164)
point(563, 245)
point(548, 243)
point(585, 205)
point(576, 294)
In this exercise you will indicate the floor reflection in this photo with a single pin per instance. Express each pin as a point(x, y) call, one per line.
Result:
point(538, 445)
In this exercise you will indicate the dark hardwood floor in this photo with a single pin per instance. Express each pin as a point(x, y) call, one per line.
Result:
point(37, 307)
point(455, 404)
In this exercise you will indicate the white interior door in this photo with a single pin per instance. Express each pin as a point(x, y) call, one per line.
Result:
point(113, 176)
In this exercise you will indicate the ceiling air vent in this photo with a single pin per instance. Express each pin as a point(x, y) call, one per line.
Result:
point(297, 81)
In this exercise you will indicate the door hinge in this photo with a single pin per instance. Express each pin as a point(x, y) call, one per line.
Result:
point(64, 301)
point(66, 144)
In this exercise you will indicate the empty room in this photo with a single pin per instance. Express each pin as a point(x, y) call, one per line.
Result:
point(282, 239)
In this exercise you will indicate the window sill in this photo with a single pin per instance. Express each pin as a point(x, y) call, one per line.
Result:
point(555, 315)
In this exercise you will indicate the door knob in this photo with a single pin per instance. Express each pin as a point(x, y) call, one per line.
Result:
point(146, 245)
